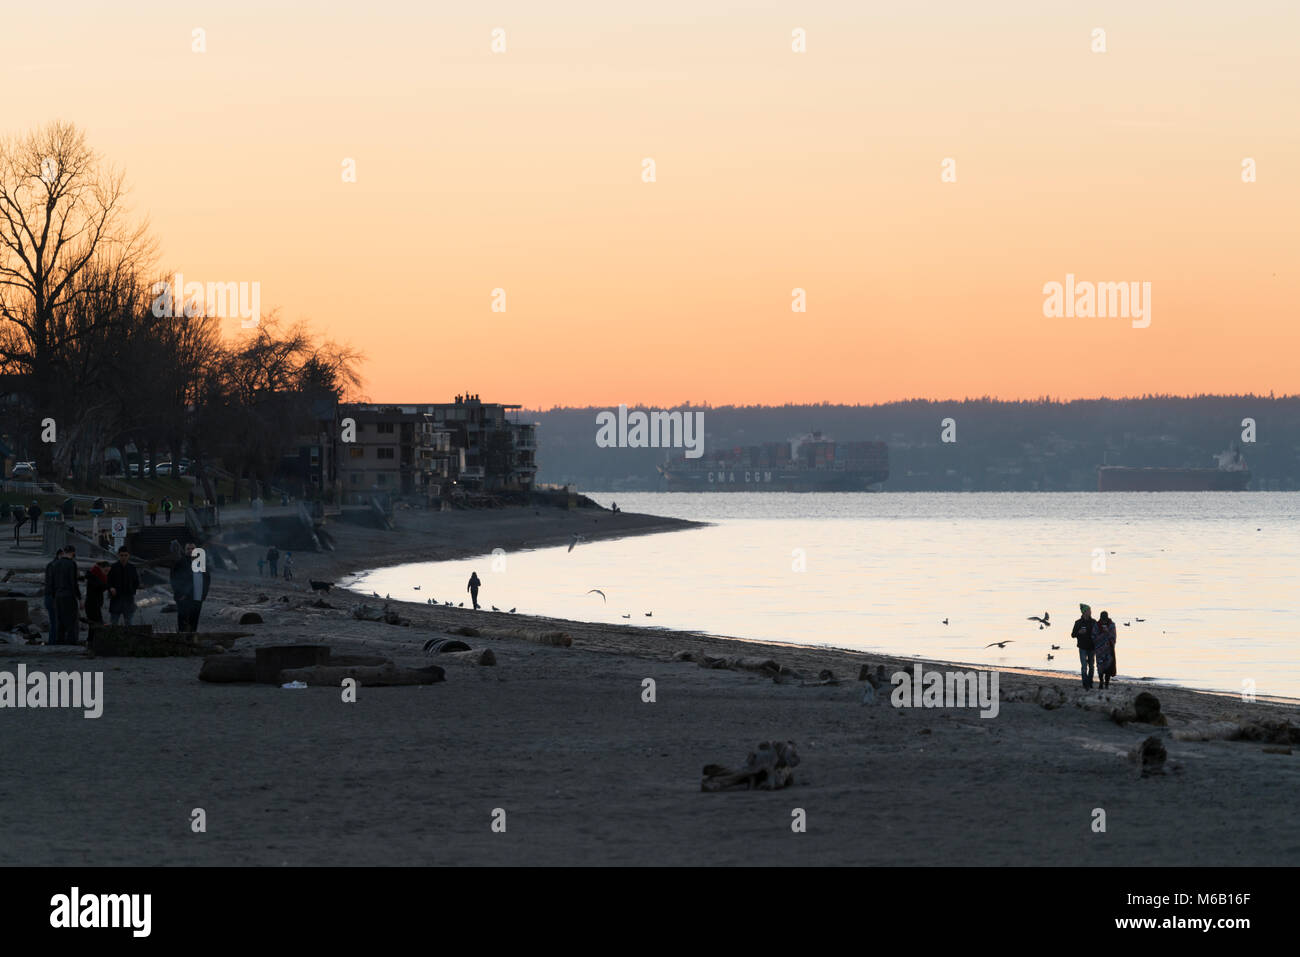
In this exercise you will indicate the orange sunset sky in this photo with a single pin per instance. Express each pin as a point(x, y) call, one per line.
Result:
point(523, 170)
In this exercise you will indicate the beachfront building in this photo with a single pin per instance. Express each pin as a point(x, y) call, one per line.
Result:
point(433, 449)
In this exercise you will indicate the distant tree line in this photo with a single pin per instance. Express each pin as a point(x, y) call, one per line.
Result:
point(81, 342)
point(1039, 444)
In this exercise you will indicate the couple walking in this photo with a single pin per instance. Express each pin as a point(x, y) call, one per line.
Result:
point(1096, 641)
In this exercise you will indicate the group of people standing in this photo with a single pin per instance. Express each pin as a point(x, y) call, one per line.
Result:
point(273, 559)
point(1095, 639)
point(166, 506)
point(120, 581)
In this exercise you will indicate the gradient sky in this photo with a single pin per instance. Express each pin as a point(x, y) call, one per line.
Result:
point(775, 170)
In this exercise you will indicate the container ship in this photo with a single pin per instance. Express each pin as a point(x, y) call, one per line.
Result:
point(812, 463)
point(1231, 475)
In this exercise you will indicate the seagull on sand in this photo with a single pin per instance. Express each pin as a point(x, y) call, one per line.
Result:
point(417, 587)
point(945, 621)
point(1045, 621)
point(1001, 644)
point(649, 614)
point(600, 593)
point(1050, 657)
point(512, 610)
point(495, 608)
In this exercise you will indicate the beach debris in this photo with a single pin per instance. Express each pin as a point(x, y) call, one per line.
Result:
point(320, 603)
point(1048, 697)
point(273, 659)
point(764, 666)
point(1150, 756)
point(228, 669)
point(824, 677)
point(261, 598)
point(769, 768)
point(322, 586)
point(13, 612)
point(437, 646)
point(1276, 750)
point(294, 684)
point(466, 631)
point(141, 641)
point(477, 656)
point(242, 615)
point(364, 612)
point(1271, 731)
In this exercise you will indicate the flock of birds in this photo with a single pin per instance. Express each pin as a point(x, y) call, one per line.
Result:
point(1044, 621)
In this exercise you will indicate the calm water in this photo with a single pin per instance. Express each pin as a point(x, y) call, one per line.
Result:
point(1212, 574)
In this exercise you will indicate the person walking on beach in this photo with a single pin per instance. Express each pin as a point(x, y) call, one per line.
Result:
point(167, 510)
point(153, 511)
point(1084, 633)
point(34, 512)
point(1104, 644)
point(123, 583)
point(473, 588)
point(67, 593)
point(288, 566)
point(19, 519)
point(273, 559)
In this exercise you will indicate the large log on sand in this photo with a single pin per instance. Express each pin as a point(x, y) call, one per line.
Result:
point(244, 616)
point(228, 669)
point(275, 658)
point(364, 675)
point(477, 656)
point(141, 641)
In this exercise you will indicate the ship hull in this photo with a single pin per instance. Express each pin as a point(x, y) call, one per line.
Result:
point(1121, 479)
point(731, 479)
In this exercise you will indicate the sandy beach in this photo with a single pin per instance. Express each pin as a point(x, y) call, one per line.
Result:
point(585, 770)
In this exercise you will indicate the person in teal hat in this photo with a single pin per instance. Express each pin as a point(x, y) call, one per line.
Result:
point(1084, 633)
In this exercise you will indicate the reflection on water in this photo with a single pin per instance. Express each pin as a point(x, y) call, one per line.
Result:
point(1211, 574)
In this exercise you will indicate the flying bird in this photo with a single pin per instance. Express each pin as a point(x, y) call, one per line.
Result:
point(600, 593)
point(1056, 647)
point(417, 587)
point(1046, 620)
point(627, 616)
point(649, 614)
point(1000, 644)
point(1050, 657)
point(1128, 624)
point(1139, 619)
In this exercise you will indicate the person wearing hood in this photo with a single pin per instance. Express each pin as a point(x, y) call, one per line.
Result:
point(1104, 645)
point(1084, 634)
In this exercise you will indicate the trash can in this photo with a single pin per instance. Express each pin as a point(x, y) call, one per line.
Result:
point(68, 508)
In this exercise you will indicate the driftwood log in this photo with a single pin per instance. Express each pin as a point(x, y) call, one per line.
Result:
point(769, 768)
point(275, 658)
point(368, 676)
point(237, 669)
point(244, 616)
point(477, 656)
point(141, 641)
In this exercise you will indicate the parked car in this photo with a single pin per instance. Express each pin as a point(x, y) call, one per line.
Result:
point(23, 472)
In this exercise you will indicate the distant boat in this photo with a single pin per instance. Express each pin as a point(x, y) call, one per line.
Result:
point(812, 463)
point(1231, 475)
